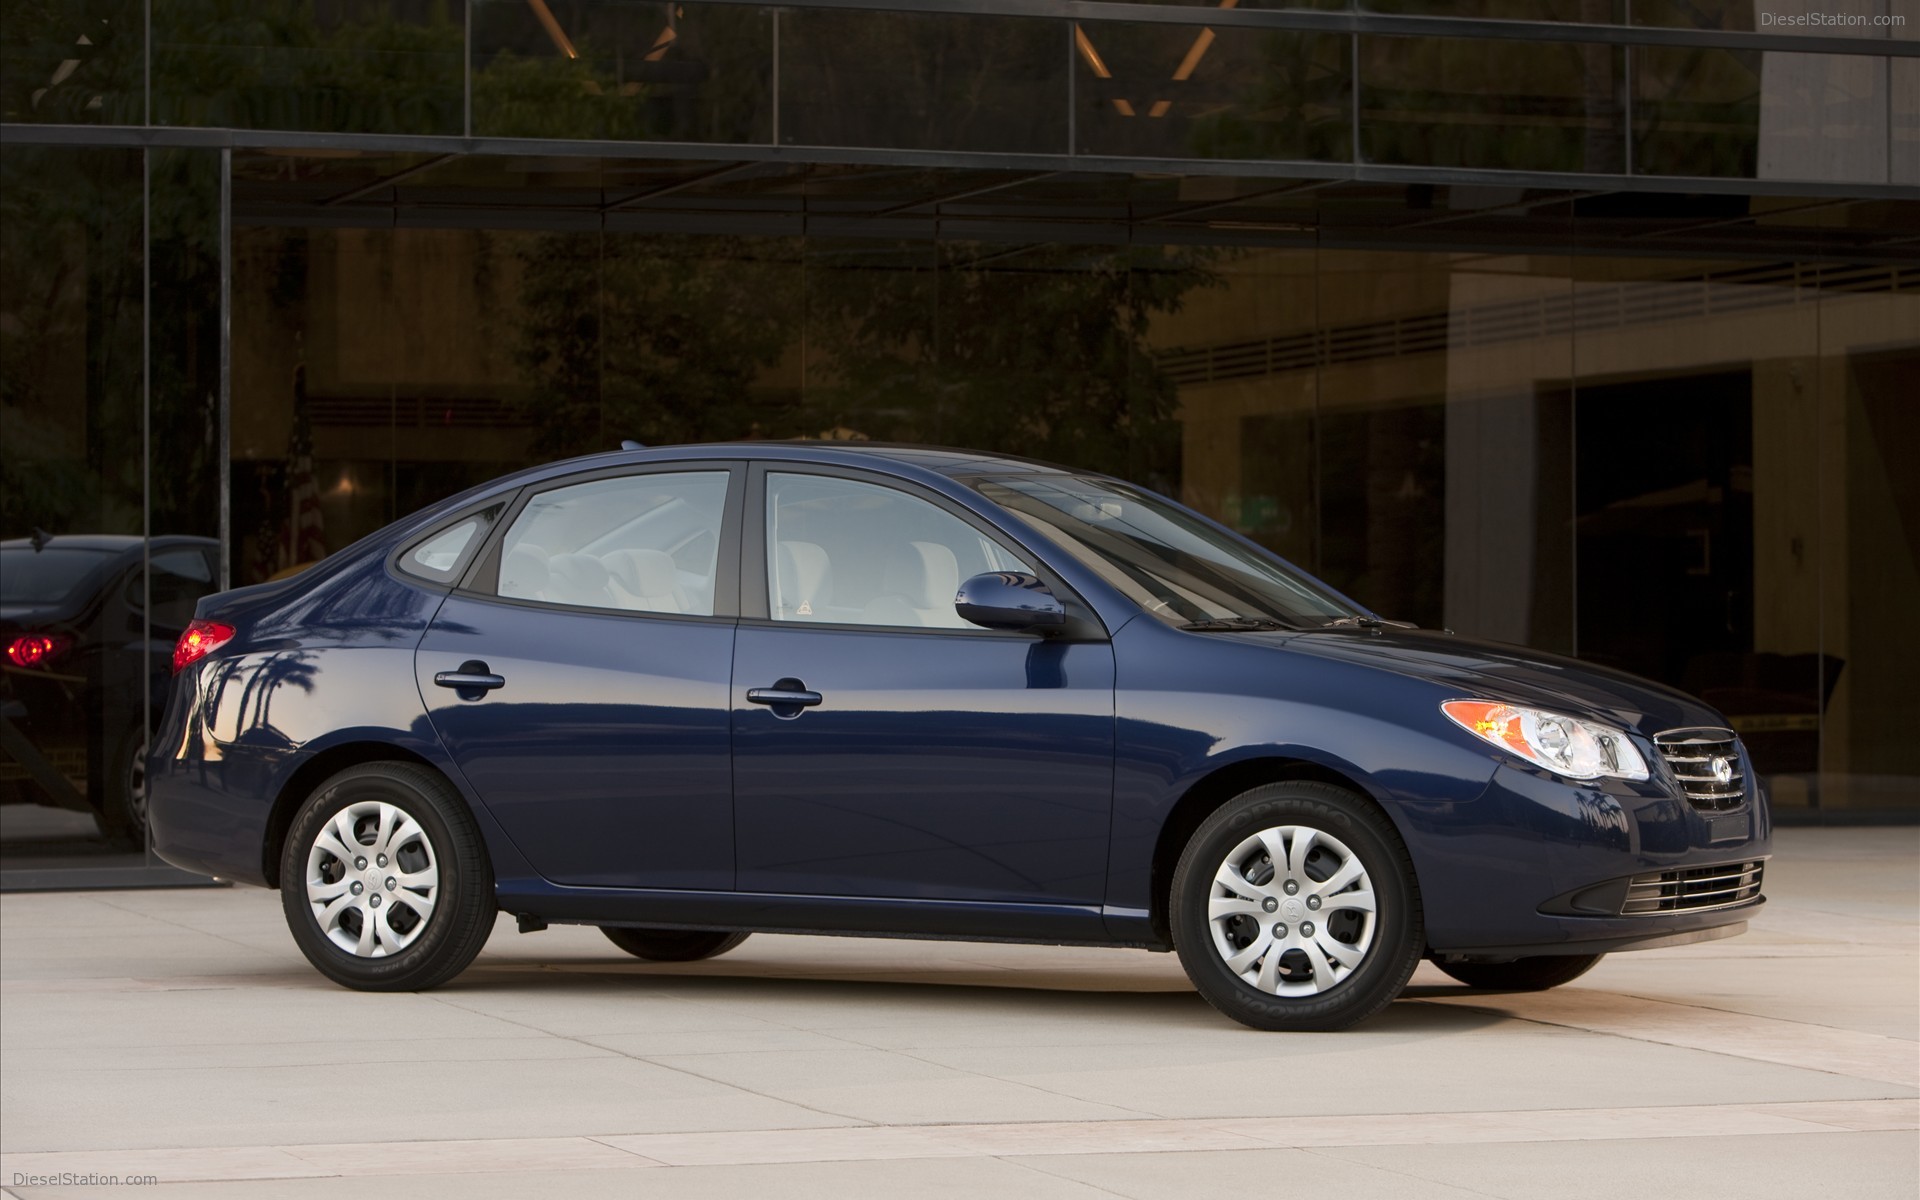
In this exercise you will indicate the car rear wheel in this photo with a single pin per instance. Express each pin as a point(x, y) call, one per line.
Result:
point(1522, 974)
point(671, 945)
point(120, 811)
point(385, 881)
point(1294, 907)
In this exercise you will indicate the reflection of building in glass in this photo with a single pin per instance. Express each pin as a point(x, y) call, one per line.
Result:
point(1594, 342)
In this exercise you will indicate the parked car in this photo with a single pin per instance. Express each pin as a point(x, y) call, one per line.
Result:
point(87, 642)
point(688, 693)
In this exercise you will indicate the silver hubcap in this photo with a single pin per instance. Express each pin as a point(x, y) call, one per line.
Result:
point(1292, 911)
point(372, 879)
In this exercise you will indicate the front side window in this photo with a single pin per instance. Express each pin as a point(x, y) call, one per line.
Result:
point(637, 543)
point(1174, 566)
point(846, 553)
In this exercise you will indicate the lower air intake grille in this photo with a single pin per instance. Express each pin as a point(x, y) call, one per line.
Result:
point(1707, 764)
point(1692, 889)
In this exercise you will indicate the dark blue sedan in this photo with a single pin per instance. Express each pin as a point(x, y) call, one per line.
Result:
point(688, 693)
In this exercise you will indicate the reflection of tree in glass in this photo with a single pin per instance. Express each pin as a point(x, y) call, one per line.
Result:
point(70, 325)
point(275, 64)
point(699, 72)
point(659, 338)
point(1039, 351)
point(70, 318)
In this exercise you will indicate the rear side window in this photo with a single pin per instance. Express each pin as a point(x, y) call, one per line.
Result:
point(638, 543)
point(440, 556)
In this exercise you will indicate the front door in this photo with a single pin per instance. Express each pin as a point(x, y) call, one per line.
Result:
point(884, 746)
point(580, 682)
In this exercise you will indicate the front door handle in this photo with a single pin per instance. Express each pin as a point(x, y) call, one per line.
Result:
point(789, 694)
point(471, 681)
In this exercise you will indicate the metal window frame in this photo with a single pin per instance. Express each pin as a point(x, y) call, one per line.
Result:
point(1336, 172)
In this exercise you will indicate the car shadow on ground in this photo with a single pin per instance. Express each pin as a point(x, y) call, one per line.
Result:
point(982, 993)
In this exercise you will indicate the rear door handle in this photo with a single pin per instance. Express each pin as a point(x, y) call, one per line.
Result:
point(472, 676)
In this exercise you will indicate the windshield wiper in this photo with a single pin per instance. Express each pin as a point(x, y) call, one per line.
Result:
point(1367, 623)
point(1236, 624)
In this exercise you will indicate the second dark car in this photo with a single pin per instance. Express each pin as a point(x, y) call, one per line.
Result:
point(689, 693)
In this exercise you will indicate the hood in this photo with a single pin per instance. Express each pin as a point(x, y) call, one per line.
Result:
point(1495, 671)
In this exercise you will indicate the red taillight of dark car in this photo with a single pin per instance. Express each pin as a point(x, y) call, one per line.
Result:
point(200, 639)
point(37, 649)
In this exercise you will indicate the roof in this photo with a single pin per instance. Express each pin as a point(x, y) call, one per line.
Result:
point(942, 460)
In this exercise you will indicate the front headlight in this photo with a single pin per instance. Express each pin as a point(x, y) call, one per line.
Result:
point(1564, 745)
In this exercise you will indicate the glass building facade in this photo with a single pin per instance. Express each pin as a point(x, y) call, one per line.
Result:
point(1591, 325)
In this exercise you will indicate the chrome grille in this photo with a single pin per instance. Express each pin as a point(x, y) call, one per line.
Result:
point(1692, 889)
point(1694, 755)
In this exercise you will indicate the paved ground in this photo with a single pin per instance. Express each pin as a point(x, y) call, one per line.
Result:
point(179, 1034)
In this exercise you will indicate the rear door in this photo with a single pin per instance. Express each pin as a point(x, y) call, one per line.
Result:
point(580, 677)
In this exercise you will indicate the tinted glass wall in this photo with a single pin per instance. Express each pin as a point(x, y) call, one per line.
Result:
point(1722, 93)
point(1685, 467)
point(109, 479)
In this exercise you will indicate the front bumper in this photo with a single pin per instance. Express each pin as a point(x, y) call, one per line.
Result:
point(1579, 869)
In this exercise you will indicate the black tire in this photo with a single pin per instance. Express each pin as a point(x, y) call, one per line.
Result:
point(461, 916)
point(1522, 974)
point(671, 945)
point(120, 800)
point(1386, 961)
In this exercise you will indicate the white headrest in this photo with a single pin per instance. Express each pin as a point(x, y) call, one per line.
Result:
point(648, 574)
point(929, 579)
point(801, 570)
point(524, 573)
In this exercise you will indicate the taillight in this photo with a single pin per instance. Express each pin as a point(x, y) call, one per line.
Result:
point(37, 649)
point(200, 639)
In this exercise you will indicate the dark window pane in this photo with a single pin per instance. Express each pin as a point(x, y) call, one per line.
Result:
point(670, 72)
point(1454, 102)
point(361, 66)
point(1322, 5)
point(1585, 12)
point(66, 62)
point(1183, 91)
point(1695, 111)
point(1697, 14)
point(183, 362)
point(71, 316)
point(923, 81)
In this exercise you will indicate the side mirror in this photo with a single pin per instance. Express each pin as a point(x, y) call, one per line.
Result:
point(1009, 600)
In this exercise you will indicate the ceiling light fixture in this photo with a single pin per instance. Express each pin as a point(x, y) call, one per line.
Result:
point(547, 22)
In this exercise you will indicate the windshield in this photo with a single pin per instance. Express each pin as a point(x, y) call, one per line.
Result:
point(28, 576)
point(1177, 568)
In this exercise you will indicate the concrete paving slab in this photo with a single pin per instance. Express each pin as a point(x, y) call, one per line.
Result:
point(183, 1031)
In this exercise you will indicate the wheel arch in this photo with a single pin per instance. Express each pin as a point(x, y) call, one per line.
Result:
point(317, 770)
point(1214, 789)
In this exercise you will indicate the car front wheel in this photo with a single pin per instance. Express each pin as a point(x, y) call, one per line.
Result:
point(671, 945)
point(1294, 907)
point(385, 881)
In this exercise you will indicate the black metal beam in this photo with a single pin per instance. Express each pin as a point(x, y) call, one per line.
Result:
point(388, 181)
point(969, 193)
point(679, 185)
point(1744, 218)
point(1311, 185)
point(260, 139)
point(1382, 24)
